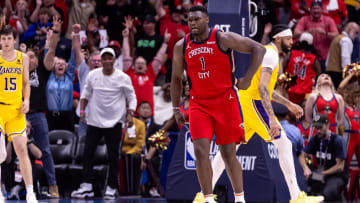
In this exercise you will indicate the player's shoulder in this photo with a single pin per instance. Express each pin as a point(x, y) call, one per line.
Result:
point(313, 96)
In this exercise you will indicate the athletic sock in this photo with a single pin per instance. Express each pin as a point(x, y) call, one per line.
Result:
point(239, 197)
point(209, 198)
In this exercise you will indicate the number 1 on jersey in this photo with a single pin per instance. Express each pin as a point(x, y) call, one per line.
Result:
point(202, 62)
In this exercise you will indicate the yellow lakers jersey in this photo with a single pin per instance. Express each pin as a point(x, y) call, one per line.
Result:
point(11, 80)
point(253, 91)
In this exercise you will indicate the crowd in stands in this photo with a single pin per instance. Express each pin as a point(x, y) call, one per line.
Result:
point(68, 40)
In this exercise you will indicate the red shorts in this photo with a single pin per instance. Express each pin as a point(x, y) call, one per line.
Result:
point(220, 116)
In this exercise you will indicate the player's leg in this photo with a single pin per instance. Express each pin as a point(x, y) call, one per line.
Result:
point(2, 157)
point(233, 170)
point(228, 133)
point(203, 165)
point(16, 130)
point(202, 131)
point(218, 167)
point(286, 162)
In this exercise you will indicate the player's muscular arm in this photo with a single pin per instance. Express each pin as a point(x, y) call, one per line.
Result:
point(264, 91)
point(177, 73)
point(176, 79)
point(279, 98)
point(231, 40)
point(293, 108)
point(26, 85)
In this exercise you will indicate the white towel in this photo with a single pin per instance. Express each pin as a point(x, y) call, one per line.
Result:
point(332, 6)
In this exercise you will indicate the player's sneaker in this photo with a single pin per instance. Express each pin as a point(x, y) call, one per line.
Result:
point(199, 198)
point(84, 191)
point(304, 198)
point(31, 197)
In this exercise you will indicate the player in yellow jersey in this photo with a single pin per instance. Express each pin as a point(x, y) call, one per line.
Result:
point(14, 102)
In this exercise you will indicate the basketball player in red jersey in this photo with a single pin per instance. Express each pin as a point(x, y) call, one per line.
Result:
point(324, 100)
point(206, 54)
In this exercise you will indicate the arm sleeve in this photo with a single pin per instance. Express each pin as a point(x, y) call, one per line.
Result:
point(71, 66)
point(129, 93)
point(271, 58)
point(346, 50)
point(340, 148)
point(29, 34)
point(87, 91)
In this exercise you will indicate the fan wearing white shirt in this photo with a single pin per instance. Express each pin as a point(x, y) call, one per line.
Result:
point(340, 52)
point(109, 89)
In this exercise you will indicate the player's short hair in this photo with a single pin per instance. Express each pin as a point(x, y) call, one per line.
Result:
point(143, 102)
point(9, 30)
point(277, 29)
point(199, 8)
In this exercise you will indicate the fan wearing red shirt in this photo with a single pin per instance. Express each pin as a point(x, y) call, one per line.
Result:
point(214, 107)
point(144, 74)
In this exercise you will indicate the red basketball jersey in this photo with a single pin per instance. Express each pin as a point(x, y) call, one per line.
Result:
point(301, 64)
point(209, 69)
point(327, 107)
point(305, 132)
point(353, 119)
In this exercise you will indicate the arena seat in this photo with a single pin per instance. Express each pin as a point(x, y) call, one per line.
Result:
point(62, 146)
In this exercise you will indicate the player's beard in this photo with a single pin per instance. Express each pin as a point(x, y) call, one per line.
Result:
point(284, 48)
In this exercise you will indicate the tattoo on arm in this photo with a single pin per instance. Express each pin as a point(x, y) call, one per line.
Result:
point(265, 100)
point(279, 98)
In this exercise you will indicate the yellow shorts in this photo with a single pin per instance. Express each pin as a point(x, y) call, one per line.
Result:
point(12, 121)
point(255, 119)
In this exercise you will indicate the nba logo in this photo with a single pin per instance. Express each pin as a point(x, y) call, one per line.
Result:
point(190, 160)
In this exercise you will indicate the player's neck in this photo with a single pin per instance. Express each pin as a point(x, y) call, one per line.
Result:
point(326, 92)
point(8, 55)
point(202, 37)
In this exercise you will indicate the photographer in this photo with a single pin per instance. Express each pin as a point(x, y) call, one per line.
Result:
point(330, 175)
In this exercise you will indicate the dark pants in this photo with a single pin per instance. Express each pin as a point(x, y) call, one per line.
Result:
point(332, 189)
point(336, 78)
point(112, 140)
point(63, 120)
point(40, 133)
point(130, 173)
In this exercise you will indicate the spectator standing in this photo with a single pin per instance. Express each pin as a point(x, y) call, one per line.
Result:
point(322, 28)
point(171, 23)
point(38, 77)
point(304, 64)
point(143, 74)
point(119, 56)
point(109, 90)
point(59, 88)
point(148, 42)
point(79, 12)
point(340, 52)
point(36, 34)
point(83, 69)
